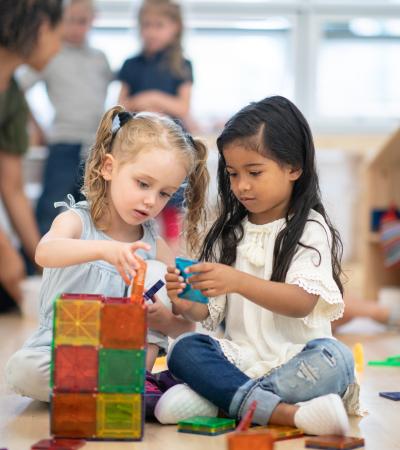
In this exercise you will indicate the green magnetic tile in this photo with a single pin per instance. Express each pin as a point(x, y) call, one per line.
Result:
point(53, 343)
point(207, 422)
point(121, 370)
point(206, 433)
point(206, 429)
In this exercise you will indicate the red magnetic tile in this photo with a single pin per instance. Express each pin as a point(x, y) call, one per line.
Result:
point(58, 444)
point(73, 415)
point(75, 368)
point(117, 300)
point(123, 326)
point(82, 297)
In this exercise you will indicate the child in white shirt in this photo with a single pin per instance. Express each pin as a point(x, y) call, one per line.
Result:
point(273, 274)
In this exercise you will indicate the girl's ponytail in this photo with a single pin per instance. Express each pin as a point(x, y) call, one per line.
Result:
point(195, 197)
point(95, 187)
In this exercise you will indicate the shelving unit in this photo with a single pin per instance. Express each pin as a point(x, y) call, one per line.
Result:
point(382, 191)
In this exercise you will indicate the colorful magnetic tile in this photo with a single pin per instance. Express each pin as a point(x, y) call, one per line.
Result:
point(206, 429)
point(123, 326)
point(58, 444)
point(281, 432)
point(77, 322)
point(121, 370)
point(89, 297)
point(250, 440)
point(391, 361)
point(188, 292)
point(75, 368)
point(148, 295)
point(206, 425)
point(205, 432)
point(390, 395)
point(73, 415)
point(118, 300)
point(138, 283)
point(334, 442)
point(120, 416)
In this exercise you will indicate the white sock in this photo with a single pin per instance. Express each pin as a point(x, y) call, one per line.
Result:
point(180, 402)
point(322, 415)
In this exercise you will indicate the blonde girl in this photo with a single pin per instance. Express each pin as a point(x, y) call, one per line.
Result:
point(136, 164)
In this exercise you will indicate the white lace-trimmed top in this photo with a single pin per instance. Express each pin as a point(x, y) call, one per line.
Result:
point(257, 340)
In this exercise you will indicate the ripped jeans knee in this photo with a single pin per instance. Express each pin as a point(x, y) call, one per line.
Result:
point(324, 366)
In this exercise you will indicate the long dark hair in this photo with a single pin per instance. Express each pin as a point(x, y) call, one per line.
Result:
point(277, 129)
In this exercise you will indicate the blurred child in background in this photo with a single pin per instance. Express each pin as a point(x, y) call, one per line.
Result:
point(29, 34)
point(76, 81)
point(159, 79)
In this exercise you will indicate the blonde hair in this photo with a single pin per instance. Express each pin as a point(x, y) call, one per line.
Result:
point(143, 132)
point(172, 11)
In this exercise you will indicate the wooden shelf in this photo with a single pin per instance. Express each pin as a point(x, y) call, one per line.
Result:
point(382, 191)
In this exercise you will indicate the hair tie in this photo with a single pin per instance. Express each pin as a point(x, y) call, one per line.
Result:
point(120, 120)
point(191, 140)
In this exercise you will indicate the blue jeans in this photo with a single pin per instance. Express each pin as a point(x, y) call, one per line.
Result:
point(323, 367)
point(62, 175)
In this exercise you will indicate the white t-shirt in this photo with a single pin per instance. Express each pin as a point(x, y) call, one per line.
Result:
point(257, 340)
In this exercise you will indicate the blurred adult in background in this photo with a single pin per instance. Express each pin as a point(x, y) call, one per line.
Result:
point(76, 81)
point(160, 79)
point(29, 34)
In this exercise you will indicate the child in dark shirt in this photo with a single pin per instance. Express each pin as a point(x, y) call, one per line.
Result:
point(159, 79)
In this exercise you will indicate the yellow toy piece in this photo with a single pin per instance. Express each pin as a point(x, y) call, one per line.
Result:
point(78, 322)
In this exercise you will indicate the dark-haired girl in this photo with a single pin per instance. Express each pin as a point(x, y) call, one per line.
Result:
point(272, 270)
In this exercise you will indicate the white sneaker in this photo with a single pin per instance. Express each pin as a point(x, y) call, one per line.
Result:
point(322, 415)
point(180, 402)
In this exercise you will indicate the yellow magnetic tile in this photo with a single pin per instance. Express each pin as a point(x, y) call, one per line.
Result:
point(77, 322)
point(119, 416)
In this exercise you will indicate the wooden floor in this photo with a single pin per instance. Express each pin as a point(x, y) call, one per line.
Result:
point(23, 422)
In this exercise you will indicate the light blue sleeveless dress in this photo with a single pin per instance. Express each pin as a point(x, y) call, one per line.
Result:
point(96, 277)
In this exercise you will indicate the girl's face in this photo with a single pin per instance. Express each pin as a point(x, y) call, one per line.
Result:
point(262, 185)
point(157, 32)
point(77, 21)
point(139, 190)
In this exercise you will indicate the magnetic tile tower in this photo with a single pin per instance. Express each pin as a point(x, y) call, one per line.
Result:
point(98, 365)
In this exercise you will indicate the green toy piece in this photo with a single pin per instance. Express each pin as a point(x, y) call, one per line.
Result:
point(210, 426)
point(391, 361)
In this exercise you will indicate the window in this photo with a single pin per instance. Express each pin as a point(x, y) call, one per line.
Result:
point(358, 69)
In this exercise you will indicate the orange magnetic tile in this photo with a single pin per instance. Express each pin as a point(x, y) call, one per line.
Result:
point(250, 440)
point(138, 283)
point(281, 432)
point(77, 322)
point(123, 326)
point(73, 415)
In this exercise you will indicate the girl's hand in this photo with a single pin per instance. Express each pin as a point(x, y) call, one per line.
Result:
point(122, 256)
point(175, 285)
point(159, 316)
point(213, 279)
